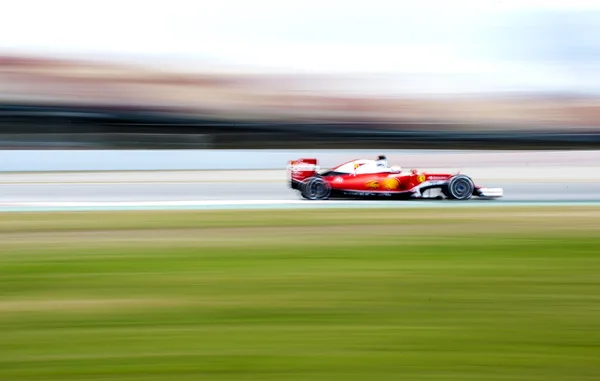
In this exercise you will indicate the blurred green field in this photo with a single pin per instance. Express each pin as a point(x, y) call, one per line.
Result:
point(474, 294)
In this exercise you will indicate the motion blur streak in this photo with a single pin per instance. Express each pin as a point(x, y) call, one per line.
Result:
point(437, 66)
point(321, 294)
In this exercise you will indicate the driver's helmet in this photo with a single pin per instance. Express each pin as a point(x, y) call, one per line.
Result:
point(382, 161)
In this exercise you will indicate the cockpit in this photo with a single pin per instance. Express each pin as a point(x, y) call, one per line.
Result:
point(365, 166)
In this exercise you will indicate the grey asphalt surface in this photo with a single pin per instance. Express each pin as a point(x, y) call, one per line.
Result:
point(226, 191)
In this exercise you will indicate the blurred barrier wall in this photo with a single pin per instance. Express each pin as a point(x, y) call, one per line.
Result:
point(222, 160)
point(37, 127)
point(156, 160)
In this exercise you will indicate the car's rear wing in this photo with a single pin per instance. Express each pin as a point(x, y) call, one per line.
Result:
point(303, 165)
point(301, 169)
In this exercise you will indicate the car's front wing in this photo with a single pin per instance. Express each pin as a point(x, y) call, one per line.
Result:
point(489, 192)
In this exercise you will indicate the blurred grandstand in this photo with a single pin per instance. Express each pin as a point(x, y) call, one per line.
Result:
point(67, 103)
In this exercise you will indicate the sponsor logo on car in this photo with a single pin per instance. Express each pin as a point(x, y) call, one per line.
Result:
point(420, 178)
point(367, 194)
point(372, 184)
point(390, 183)
point(300, 166)
point(338, 180)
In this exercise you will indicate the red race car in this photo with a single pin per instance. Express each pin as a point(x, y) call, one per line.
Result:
point(364, 178)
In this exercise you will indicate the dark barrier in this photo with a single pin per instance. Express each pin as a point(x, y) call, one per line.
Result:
point(37, 127)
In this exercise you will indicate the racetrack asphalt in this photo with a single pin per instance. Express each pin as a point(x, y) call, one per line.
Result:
point(33, 190)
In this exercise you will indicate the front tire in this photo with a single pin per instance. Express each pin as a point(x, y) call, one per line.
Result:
point(460, 187)
point(315, 188)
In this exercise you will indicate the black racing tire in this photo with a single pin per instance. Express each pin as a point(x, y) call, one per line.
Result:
point(315, 188)
point(460, 187)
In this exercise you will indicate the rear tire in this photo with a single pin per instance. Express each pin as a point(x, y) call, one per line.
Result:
point(315, 188)
point(460, 187)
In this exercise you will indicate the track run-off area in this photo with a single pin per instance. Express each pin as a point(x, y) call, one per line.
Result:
point(260, 180)
point(180, 190)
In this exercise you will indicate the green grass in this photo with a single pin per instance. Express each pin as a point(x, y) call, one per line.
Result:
point(498, 294)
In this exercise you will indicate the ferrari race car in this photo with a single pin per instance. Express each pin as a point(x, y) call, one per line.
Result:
point(366, 178)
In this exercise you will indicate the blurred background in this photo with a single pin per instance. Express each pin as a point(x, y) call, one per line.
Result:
point(283, 74)
point(321, 292)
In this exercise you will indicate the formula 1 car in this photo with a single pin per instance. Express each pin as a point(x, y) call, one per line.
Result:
point(365, 178)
